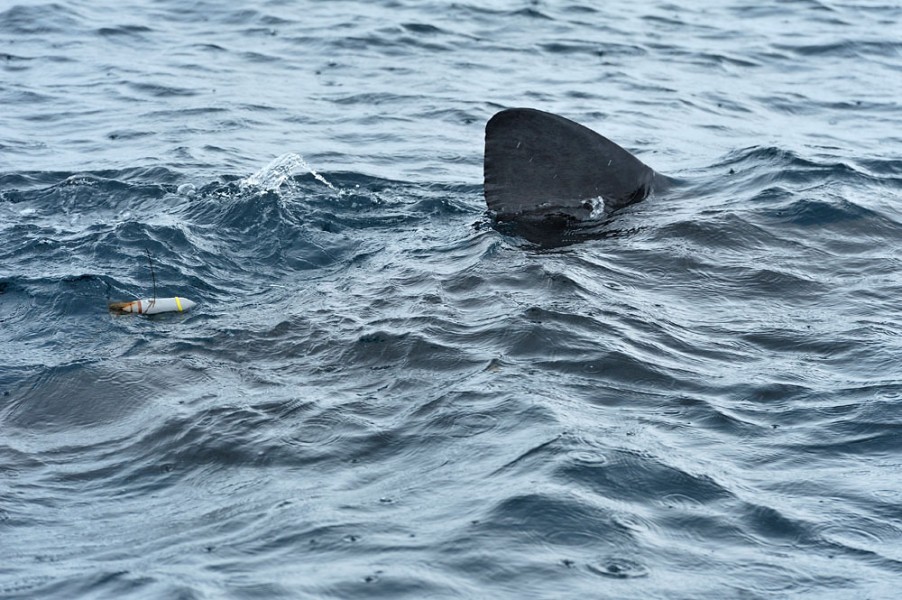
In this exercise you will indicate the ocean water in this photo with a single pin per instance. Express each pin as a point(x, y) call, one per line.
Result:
point(380, 394)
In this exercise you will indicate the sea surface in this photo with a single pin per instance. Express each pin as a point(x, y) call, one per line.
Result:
point(381, 394)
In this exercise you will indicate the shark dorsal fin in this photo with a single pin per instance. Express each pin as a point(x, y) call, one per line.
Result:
point(540, 165)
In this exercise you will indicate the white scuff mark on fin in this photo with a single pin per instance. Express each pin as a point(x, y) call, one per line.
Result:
point(597, 207)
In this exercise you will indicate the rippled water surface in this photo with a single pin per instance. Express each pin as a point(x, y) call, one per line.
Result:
point(381, 395)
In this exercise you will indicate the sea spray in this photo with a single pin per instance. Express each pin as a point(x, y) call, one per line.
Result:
point(279, 170)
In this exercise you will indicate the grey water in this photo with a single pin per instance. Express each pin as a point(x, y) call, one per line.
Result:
point(382, 395)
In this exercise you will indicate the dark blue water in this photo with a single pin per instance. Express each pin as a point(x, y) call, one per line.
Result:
point(379, 394)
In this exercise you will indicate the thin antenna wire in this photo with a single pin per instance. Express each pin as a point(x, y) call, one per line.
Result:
point(153, 276)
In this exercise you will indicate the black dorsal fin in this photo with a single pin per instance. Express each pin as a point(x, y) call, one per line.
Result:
point(539, 165)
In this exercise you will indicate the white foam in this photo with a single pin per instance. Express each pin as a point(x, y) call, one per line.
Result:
point(279, 170)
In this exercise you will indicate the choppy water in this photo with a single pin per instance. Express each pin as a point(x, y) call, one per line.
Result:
point(379, 394)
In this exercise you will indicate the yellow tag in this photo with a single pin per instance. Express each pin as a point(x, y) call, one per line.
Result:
point(178, 303)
